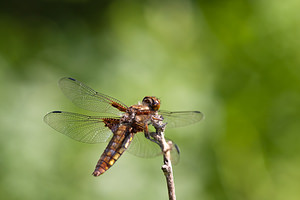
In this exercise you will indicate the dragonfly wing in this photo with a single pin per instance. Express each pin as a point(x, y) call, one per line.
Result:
point(145, 148)
point(87, 98)
point(83, 128)
point(175, 153)
point(181, 118)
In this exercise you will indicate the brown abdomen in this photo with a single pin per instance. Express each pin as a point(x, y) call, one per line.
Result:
point(115, 148)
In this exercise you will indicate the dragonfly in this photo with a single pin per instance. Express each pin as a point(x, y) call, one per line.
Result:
point(119, 125)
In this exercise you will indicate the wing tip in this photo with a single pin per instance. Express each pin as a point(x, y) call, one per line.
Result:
point(202, 115)
point(46, 119)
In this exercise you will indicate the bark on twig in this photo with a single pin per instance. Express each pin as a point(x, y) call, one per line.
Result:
point(166, 147)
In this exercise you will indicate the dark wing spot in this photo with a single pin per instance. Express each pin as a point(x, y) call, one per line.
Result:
point(56, 112)
point(72, 79)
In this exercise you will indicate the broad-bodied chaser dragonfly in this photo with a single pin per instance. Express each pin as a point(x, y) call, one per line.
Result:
point(120, 126)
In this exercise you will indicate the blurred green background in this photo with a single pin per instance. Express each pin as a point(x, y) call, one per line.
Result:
point(236, 61)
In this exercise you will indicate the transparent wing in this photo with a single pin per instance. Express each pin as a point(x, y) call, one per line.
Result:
point(145, 148)
point(175, 152)
point(142, 147)
point(86, 98)
point(82, 128)
point(181, 118)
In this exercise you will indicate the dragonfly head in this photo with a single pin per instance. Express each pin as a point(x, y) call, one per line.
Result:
point(152, 102)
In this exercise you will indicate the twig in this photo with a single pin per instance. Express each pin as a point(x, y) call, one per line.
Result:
point(166, 147)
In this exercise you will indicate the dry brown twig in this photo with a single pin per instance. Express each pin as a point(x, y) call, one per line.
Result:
point(166, 146)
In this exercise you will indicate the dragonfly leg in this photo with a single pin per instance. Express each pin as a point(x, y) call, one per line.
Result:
point(149, 135)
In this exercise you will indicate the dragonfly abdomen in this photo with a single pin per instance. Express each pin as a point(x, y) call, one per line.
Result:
point(115, 148)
